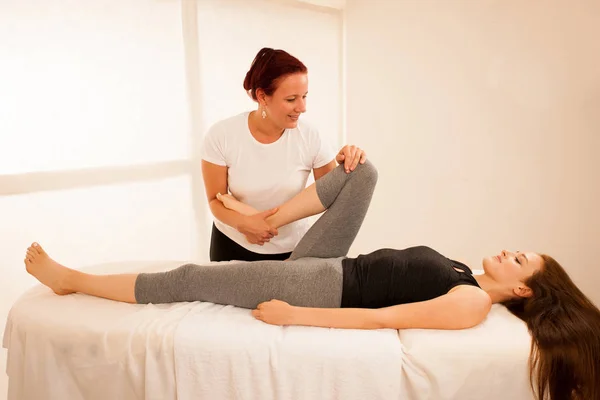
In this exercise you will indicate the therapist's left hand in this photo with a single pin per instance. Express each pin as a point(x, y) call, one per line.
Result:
point(350, 156)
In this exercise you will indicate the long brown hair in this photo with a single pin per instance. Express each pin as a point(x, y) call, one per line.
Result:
point(565, 328)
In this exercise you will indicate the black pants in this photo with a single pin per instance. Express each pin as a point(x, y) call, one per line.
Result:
point(222, 248)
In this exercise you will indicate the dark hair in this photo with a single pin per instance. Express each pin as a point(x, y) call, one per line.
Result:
point(267, 67)
point(565, 328)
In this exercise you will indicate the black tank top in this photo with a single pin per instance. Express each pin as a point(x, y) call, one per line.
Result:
point(389, 277)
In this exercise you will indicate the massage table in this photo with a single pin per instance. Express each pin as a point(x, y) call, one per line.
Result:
point(80, 347)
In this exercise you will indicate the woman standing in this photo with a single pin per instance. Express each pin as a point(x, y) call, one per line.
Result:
point(263, 158)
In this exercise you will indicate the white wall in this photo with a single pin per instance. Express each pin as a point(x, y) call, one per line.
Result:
point(103, 105)
point(243, 28)
point(86, 88)
point(483, 118)
point(335, 4)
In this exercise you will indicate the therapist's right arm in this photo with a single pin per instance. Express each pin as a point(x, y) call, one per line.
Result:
point(254, 227)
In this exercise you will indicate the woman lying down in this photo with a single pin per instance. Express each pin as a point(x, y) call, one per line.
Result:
point(415, 287)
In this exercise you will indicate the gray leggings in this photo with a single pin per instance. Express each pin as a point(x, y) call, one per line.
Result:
point(312, 277)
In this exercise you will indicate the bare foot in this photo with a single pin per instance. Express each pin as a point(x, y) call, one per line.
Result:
point(227, 199)
point(46, 270)
point(231, 203)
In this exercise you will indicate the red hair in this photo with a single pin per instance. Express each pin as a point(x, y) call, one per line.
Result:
point(267, 67)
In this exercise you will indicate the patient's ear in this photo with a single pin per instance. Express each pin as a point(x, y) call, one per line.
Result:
point(523, 291)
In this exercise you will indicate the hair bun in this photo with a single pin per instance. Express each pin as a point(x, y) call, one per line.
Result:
point(268, 65)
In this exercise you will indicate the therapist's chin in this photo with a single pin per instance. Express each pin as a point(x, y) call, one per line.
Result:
point(291, 125)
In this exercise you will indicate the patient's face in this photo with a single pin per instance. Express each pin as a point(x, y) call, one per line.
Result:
point(512, 268)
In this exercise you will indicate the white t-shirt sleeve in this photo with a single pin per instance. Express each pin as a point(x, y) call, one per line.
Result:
point(323, 151)
point(213, 147)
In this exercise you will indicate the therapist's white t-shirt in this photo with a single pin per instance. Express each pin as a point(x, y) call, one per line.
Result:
point(265, 175)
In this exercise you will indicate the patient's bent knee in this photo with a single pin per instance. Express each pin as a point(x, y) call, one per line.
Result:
point(367, 172)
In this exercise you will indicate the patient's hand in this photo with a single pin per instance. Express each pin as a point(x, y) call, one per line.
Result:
point(274, 312)
point(234, 204)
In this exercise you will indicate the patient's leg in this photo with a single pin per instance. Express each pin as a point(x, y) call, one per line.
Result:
point(234, 204)
point(309, 282)
point(304, 204)
point(63, 280)
point(346, 197)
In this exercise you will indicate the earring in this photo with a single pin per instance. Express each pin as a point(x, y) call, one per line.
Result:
point(264, 114)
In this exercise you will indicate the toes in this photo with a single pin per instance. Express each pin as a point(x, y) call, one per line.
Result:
point(31, 251)
point(38, 248)
point(35, 247)
point(31, 254)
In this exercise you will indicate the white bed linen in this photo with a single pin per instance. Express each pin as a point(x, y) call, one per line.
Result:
point(489, 361)
point(223, 353)
point(80, 347)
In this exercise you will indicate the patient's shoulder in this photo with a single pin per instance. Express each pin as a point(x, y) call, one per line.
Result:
point(473, 294)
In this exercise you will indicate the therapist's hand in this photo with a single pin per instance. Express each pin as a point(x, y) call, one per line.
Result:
point(350, 156)
point(256, 229)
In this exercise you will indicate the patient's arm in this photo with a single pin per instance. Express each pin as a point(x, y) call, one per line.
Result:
point(463, 307)
point(278, 312)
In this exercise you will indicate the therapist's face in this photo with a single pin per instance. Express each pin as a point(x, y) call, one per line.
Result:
point(287, 102)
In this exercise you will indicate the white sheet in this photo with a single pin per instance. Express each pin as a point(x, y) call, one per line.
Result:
point(488, 361)
point(80, 347)
point(223, 353)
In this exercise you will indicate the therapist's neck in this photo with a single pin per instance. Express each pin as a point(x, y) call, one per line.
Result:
point(265, 126)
